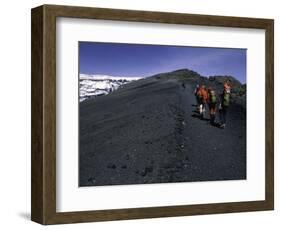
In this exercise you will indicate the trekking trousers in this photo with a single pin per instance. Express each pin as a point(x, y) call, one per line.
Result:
point(223, 113)
point(212, 108)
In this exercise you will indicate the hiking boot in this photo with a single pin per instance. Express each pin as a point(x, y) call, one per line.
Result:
point(212, 119)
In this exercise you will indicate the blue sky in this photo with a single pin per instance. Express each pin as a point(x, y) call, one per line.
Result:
point(145, 60)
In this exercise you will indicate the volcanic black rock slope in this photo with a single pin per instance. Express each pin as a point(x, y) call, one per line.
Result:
point(148, 132)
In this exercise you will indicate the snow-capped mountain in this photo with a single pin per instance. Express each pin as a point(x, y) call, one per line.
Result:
point(97, 85)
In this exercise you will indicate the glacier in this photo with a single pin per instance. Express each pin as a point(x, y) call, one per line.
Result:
point(96, 85)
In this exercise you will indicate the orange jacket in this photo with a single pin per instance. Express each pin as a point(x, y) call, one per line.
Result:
point(203, 94)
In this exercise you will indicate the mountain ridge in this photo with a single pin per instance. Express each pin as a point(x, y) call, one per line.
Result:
point(97, 85)
point(147, 131)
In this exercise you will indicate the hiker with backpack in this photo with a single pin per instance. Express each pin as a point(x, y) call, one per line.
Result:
point(212, 102)
point(202, 98)
point(224, 104)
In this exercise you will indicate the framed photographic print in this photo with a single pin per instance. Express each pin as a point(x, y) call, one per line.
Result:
point(141, 114)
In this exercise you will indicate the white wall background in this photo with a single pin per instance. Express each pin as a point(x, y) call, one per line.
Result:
point(15, 113)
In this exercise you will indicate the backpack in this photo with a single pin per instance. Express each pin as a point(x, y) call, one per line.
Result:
point(213, 97)
point(226, 99)
point(226, 88)
point(199, 94)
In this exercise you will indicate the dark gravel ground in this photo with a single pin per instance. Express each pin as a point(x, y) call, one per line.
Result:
point(148, 132)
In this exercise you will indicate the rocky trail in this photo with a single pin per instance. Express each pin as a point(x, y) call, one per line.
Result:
point(149, 132)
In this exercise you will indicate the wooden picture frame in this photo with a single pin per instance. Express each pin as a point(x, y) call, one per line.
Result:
point(43, 208)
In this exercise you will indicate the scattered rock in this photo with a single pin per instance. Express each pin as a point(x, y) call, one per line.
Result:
point(143, 173)
point(148, 142)
point(91, 180)
point(146, 170)
point(149, 169)
point(111, 166)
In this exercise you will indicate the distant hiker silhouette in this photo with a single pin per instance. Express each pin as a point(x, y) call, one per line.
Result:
point(224, 104)
point(183, 85)
point(197, 97)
